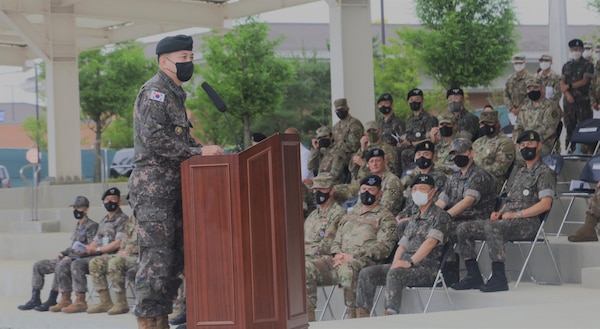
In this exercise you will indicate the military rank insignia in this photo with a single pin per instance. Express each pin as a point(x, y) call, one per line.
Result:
point(178, 130)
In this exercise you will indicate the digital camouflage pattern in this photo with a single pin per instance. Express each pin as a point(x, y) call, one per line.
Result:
point(515, 89)
point(580, 110)
point(320, 228)
point(542, 117)
point(440, 180)
point(495, 155)
point(332, 160)
point(347, 134)
point(595, 85)
point(418, 126)
point(467, 122)
point(308, 201)
point(390, 128)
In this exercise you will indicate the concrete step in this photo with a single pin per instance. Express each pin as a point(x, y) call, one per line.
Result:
point(20, 246)
point(590, 277)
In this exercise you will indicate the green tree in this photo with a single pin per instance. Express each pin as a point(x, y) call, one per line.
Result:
point(243, 67)
point(109, 79)
point(37, 130)
point(464, 43)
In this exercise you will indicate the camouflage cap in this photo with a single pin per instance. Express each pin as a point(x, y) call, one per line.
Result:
point(489, 116)
point(340, 103)
point(587, 45)
point(81, 201)
point(111, 191)
point(375, 153)
point(414, 92)
point(446, 118)
point(545, 57)
point(460, 145)
point(425, 146)
point(323, 180)
point(385, 97)
point(371, 125)
point(323, 131)
point(528, 135)
point(423, 179)
point(518, 58)
point(534, 81)
point(371, 180)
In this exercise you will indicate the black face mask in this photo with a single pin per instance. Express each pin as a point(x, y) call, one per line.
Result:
point(461, 160)
point(385, 110)
point(446, 131)
point(321, 197)
point(185, 70)
point(341, 114)
point(455, 107)
point(367, 198)
point(78, 214)
point(111, 206)
point(528, 153)
point(324, 142)
point(423, 162)
point(486, 130)
point(415, 106)
point(534, 95)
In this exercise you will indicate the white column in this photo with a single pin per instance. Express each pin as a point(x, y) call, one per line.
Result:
point(557, 29)
point(351, 48)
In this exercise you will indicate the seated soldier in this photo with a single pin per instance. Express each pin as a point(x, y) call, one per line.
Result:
point(494, 151)
point(326, 156)
point(365, 237)
point(587, 232)
point(443, 136)
point(371, 140)
point(529, 195)
point(418, 255)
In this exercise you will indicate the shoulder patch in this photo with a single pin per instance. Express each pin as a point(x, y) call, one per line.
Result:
point(157, 96)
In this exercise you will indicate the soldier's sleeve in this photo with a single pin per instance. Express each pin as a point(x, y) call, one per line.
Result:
point(387, 237)
point(342, 191)
point(546, 183)
point(90, 232)
point(505, 156)
point(431, 122)
point(474, 126)
point(439, 229)
point(593, 91)
point(518, 129)
point(550, 119)
point(336, 245)
point(589, 70)
point(557, 94)
point(507, 98)
point(353, 167)
point(313, 160)
point(335, 215)
point(338, 164)
point(120, 229)
point(392, 196)
point(400, 127)
point(353, 140)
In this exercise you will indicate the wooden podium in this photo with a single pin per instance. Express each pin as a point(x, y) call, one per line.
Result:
point(244, 238)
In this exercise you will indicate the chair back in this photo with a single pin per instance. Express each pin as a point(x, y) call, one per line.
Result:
point(445, 253)
point(587, 132)
point(554, 161)
point(591, 170)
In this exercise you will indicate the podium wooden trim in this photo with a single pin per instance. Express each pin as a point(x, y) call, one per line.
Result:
point(244, 238)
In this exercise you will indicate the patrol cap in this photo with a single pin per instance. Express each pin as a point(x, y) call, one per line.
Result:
point(174, 43)
point(257, 137)
point(340, 103)
point(489, 116)
point(423, 179)
point(529, 135)
point(455, 91)
point(111, 191)
point(323, 180)
point(414, 92)
point(323, 131)
point(587, 45)
point(371, 125)
point(446, 118)
point(385, 97)
point(518, 58)
point(425, 146)
point(534, 81)
point(371, 180)
point(81, 201)
point(375, 153)
point(575, 43)
point(546, 57)
point(460, 145)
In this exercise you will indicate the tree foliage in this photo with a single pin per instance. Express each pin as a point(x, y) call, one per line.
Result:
point(243, 67)
point(37, 130)
point(464, 43)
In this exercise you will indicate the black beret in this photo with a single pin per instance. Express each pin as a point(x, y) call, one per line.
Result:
point(371, 180)
point(529, 135)
point(375, 153)
point(111, 191)
point(425, 146)
point(414, 92)
point(575, 43)
point(423, 179)
point(174, 43)
point(454, 91)
point(385, 97)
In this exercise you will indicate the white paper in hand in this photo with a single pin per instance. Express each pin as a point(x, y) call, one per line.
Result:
point(79, 247)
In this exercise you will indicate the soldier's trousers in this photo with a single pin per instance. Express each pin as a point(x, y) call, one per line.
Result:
point(594, 207)
point(112, 266)
point(160, 239)
point(41, 268)
point(575, 112)
point(63, 271)
point(495, 233)
point(320, 272)
point(79, 269)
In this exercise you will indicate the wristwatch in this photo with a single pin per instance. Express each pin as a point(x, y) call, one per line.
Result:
point(98, 250)
point(519, 214)
point(411, 263)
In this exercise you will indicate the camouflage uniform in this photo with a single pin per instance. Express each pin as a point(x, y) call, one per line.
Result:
point(162, 141)
point(551, 80)
point(116, 265)
point(308, 201)
point(543, 118)
point(359, 172)
point(595, 85)
point(495, 155)
point(111, 227)
point(529, 186)
point(83, 233)
point(442, 156)
point(369, 236)
point(515, 89)
point(392, 127)
point(467, 122)
point(580, 109)
point(391, 186)
point(347, 134)
point(320, 228)
point(331, 159)
point(417, 129)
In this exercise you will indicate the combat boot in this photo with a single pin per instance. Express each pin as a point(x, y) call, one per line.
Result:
point(33, 302)
point(105, 302)
point(311, 315)
point(180, 318)
point(162, 321)
point(498, 280)
point(80, 305)
point(362, 313)
point(50, 302)
point(587, 232)
point(120, 306)
point(473, 279)
point(451, 273)
point(64, 302)
point(146, 323)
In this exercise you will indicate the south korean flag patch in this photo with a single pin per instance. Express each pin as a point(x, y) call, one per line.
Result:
point(157, 96)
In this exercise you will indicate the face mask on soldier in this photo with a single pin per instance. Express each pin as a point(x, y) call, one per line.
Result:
point(455, 107)
point(324, 142)
point(544, 65)
point(367, 198)
point(415, 106)
point(446, 131)
point(373, 137)
point(385, 110)
point(321, 197)
point(528, 153)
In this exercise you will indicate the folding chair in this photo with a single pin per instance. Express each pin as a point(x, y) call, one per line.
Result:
point(540, 238)
point(327, 305)
point(589, 174)
point(586, 132)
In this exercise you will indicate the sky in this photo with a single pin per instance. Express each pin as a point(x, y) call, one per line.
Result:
point(395, 12)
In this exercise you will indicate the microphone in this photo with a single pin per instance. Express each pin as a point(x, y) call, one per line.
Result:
point(222, 107)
